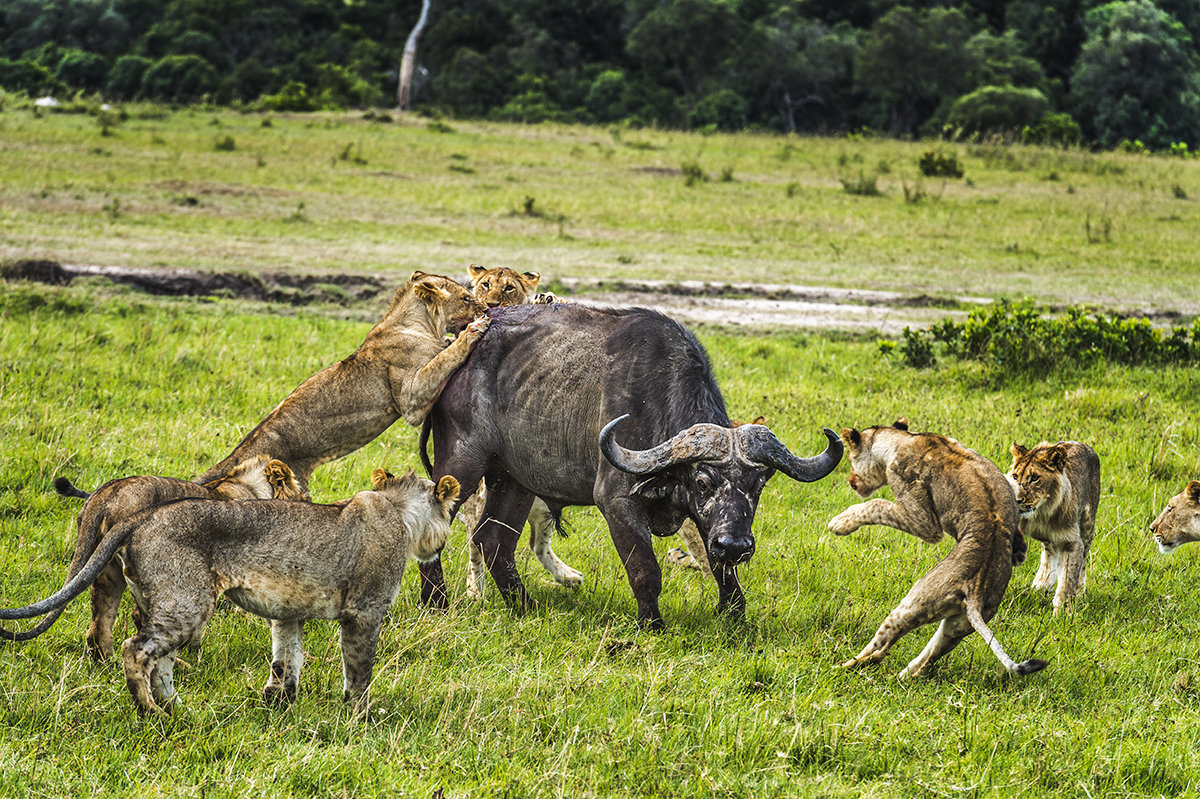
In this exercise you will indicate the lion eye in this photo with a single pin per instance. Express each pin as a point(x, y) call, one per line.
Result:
point(508, 289)
point(486, 285)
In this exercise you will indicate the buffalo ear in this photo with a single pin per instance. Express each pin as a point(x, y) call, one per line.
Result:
point(529, 280)
point(477, 271)
point(852, 436)
point(379, 477)
point(657, 486)
point(446, 490)
point(901, 423)
point(1193, 492)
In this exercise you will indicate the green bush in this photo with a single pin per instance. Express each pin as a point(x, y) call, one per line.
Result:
point(1058, 130)
point(125, 77)
point(723, 110)
point(997, 109)
point(1022, 339)
point(180, 79)
point(292, 97)
point(936, 164)
point(82, 70)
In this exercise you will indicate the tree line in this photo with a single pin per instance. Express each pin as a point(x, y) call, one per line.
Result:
point(1060, 71)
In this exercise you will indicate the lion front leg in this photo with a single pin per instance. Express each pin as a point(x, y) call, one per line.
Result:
point(1071, 571)
point(417, 392)
point(888, 514)
point(287, 659)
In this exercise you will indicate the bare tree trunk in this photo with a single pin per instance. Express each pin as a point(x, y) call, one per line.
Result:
point(404, 90)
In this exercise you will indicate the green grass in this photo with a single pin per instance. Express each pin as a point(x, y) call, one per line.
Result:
point(571, 699)
point(1065, 226)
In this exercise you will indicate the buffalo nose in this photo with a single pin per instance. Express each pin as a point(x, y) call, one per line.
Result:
point(733, 549)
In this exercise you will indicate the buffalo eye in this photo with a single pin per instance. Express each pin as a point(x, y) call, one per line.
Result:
point(704, 481)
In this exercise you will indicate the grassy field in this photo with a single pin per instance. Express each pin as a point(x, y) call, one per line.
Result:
point(571, 699)
point(222, 190)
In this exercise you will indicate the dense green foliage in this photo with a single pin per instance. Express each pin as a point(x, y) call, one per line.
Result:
point(1022, 339)
point(1125, 70)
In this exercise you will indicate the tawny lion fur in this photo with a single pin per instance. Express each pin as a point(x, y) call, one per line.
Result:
point(258, 477)
point(1179, 522)
point(940, 488)
point(285, 561)
point(397, 372)
point(1058, 491)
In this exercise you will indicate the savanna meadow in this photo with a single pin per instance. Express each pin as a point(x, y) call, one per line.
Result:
point(99, 380)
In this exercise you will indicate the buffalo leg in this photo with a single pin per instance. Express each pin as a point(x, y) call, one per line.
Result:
point(433, 579)
point(498, 532)
point(630, 533)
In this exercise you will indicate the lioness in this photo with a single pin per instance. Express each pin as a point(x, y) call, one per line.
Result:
point(285, 561)
point(259, 477)
point(1179, 522)
point(1058, 490)
point(497, 287)
point(397, 372)
point(941, 488)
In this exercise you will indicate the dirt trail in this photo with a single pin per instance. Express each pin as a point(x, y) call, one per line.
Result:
point(742, 305)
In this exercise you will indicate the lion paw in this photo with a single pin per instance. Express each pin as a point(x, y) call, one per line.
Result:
point(478, 327)
point(842, 525)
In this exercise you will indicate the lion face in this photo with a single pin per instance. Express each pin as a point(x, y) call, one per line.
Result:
point(502, 286)
point(1179, 522)
point(450, 303)
point(1037, 477)
point(869, 460)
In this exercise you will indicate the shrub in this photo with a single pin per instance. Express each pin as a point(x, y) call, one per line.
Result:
point(82, 70)
point(125, 77)
point(997, 109)
point(692, 173)
point(1058, 130)
point(864, 185)
point(292, 97)
point(180, 79)
point(1021, 339)
point(936, 164)
point(721, 110)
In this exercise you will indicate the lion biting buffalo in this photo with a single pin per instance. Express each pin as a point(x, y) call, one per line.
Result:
point(616, 408)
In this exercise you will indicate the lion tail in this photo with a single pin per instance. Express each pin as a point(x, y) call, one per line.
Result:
point(76, 584)
point(65, 488)
point(1024, 667)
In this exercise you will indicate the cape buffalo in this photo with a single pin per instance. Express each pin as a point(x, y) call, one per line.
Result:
point(549, 382)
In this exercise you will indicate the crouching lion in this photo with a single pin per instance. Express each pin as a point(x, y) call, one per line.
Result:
point(259, 477)
point(285, 561)
point(1179, 522)
point(1058, 490)
point(941, 488)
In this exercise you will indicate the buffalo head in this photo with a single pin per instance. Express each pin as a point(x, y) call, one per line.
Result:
point(719, 472)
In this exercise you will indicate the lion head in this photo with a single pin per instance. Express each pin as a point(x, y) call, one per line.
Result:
point(426, 505)
point(1037, 476)
point(869, 458)
point(1179, 522)
point(451, 305)
point(502, 286)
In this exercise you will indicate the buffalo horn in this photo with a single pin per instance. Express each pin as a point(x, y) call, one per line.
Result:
point(758, 444)
point(700, 442)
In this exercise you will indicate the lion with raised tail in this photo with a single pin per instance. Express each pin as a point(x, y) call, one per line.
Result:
point(940, 488)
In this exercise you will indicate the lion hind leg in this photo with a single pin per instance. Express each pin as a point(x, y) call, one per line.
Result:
point(359, 638)
point(287, 659)
point(949, 633)
point(106, 595)
point(542, 529)
point(910, 614)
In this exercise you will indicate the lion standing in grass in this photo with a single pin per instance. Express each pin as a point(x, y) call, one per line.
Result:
point(1058, 491)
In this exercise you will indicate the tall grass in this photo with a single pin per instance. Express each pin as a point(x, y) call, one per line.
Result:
point(570, 699)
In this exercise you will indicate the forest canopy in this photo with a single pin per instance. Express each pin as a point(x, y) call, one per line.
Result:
point(1058, 71)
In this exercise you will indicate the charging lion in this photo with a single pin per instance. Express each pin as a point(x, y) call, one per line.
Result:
point(940, 488)
point(285, 561)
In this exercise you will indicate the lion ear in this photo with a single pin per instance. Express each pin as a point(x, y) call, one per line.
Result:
point(446, 490)
point(379, 477)
point(1018, 451)
point(901, 423)
point(759, 420)
point(1056, 458)
point(418, 275)
point(1193, 492)
point(529, 280)
point(852, 436)
point(477, 271)
point(426, 293)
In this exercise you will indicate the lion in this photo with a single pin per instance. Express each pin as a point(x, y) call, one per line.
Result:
point(497, 287)
point(260, 477)
point(397, 372)
point(286, 561)
point(940, 488)
point(1179, 522)
point(1058, 490)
